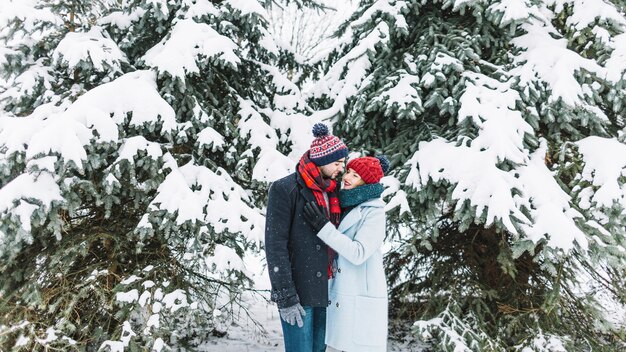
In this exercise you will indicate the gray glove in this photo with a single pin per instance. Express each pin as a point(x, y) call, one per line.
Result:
point(293, 314)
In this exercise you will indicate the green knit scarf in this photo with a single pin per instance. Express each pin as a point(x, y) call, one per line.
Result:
point(360, 194)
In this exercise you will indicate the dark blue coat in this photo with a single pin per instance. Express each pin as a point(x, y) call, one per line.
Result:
point(297, 260)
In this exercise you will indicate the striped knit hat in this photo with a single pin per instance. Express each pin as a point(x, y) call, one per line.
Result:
point(326, 148)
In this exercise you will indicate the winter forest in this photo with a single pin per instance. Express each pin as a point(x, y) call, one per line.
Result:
point(138, 139)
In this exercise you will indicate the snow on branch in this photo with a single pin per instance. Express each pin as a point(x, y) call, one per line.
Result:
point(189, 42)
point(492, 107)
point(27, 194)
point(94, 117)
point(550, 206)
point(197, 194)
point(605, 165)
point(478, 180)
point(92, 46)
point(271, 164)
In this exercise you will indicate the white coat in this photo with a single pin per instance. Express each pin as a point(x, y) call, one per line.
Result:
point(356, 319)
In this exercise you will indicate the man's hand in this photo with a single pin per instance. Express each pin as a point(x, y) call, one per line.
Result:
point(315, 216)
point(293, 314)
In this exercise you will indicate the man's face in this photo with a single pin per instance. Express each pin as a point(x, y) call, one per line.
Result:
point(333, 170)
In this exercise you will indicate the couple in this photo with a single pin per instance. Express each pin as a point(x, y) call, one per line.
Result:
point(323, 250)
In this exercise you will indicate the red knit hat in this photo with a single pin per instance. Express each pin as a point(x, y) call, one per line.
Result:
point(369, 168)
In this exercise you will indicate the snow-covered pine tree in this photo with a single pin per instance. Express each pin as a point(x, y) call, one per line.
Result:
point(504, 122)
point(136, 138)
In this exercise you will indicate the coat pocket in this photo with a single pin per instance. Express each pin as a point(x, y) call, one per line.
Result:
point(370, 321)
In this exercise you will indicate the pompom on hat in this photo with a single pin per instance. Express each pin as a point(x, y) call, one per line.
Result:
point(326, 148)
point(371, 169)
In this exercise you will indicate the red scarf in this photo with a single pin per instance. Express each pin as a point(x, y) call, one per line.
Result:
point(318, 184)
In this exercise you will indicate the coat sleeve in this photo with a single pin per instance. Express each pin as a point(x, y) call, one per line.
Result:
point(369, 237)
point(277, 226)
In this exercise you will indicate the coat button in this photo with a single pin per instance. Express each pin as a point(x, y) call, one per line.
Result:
point(318, 274)
point(329, 302)
point(337, 305)
point(318, 247)
point(339, 270)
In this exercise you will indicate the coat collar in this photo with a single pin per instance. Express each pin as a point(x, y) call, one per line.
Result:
point(355, 215)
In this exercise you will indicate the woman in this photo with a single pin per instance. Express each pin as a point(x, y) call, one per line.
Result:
point(356, 318)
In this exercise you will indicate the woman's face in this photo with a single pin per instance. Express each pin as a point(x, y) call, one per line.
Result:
point(351, 180)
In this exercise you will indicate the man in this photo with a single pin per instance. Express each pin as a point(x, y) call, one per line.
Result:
point(298, 262)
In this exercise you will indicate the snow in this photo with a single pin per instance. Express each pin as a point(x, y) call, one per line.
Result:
point(130, 280)
point(22, 341)
point(253, 126)
point(551, 211)
point(122, 20)
point(50, 336)
point(513, 11)
point(175, 300)
point(428, 79)
point(176, 196)
point(199, 8)
point(259, 329)
point(44, 163)
point(62, 135)
point(587, 12)
point(269, 43)
point(271, 164)
point(134, 92)
point(445, 63)
point(190, 42)
point(29, 16)
point(492, 107)
point(93, 116)
point(551, 61)
point(225, 258)
point(159, 345)
point(401, 94)
point(247, 7)
point(131, 146)
point(476, 177)
point(299, 128)
point(225, 201)
point(616, 64)
point(144, 299)
point(448, 324)
point(527, 199)
point(127, 297)
point(392, 186)
point(288, 95)
point(69, 340)
point(17, 195)
point(29, 81)
point(605, 164)
point(548, 59)
point(547, 343)
point(391, 8)
point(91, 46)
point(340, 86)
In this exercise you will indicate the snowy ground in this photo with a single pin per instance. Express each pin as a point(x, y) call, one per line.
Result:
point(243, 335)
